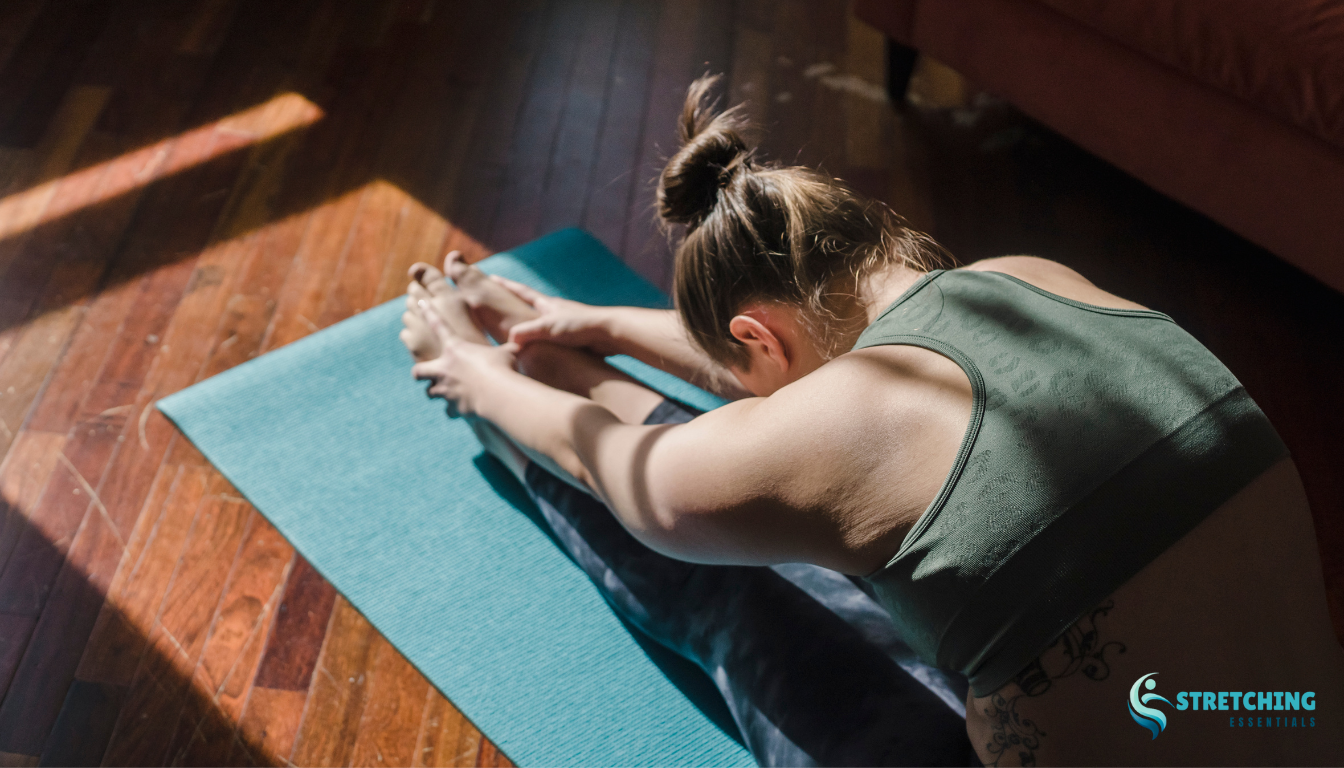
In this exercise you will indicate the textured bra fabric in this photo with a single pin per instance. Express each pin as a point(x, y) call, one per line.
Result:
point(1098, 437)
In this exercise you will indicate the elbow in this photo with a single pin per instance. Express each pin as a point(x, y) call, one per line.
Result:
point(663, 526)
point(572, 464)
point(682, 534)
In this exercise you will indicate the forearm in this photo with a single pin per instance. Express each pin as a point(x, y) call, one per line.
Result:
point(583, 373)
point(657, 337)
point(564, 433)
point(538, 418)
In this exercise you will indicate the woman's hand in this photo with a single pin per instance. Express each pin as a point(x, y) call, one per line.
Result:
point(562, 321)
point(464, 370)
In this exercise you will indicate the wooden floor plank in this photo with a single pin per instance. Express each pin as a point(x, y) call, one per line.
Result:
point(161, 244)
point(420, 236)
point(183, 624)
point(135, 42)
point(24, 369)
point(198, 586)
point(354, 285)
point(152, 340)
point(464, 40)
point(569, 173)
point(14, 634)
point(296, 639)
point(176, 363)
point(145, 719)
point(100, 231)
point(47, 669)
point(301, 296)
point(395, 708)
point(16, 20)
point(173, 360)
point(24, 473)
point(339, 691)
point(162, 678)
point(40, 275)
point(371, 77)
point(254, 589)
point(828, 121)
point(146, 580)
point(334, 164)
point(39, 554)
point(515, 221)
point(116, 642)
point(491, 756)
point(447, 738)
point(46, 191)
point(481, 184)
point(268, 728)
point(868, 139)
point(790, 139)
point(417, 130)
point(311, 243)
point(673, 68)
point(24, 476)
point(208, 27)
point(614, 176)
point(31, 118)
point(80, 733)
point(750, 72)
point(40, 49)
point(229, 663)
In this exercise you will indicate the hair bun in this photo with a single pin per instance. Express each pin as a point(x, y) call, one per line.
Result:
point(712, 150)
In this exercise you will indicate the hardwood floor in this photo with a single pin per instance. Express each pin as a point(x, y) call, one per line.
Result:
point(186, 184)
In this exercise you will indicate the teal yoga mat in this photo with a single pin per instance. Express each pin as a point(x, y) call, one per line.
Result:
point(435, 543)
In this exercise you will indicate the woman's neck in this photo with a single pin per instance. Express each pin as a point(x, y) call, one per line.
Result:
point(864, 302)
point(878, 290)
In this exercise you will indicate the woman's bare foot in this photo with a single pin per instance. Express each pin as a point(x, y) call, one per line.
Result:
point(496, 308)
point(428, 284)
point(477, 302)
point(470, 303)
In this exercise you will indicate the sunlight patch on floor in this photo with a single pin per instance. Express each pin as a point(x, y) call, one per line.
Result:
point(25, 210)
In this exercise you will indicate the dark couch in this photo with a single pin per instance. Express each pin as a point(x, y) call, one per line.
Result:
point(1233, 107)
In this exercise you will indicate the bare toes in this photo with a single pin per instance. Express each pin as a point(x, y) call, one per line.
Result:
point(451, 307)
point(432, 279)
point(418, 271)
point(418, 337)
point(465, 275)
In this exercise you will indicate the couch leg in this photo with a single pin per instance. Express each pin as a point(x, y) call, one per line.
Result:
point(900, 65)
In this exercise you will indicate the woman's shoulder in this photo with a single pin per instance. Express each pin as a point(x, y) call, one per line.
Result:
point(1053, 277)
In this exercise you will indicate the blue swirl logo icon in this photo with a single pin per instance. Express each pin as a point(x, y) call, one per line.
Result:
point(1152, 719)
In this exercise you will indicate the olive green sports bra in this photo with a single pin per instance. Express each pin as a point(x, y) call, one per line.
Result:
point(1098, 438)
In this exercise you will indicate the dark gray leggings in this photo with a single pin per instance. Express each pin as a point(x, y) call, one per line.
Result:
point(811, 668)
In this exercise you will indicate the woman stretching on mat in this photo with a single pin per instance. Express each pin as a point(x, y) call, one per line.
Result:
point(1051, 490)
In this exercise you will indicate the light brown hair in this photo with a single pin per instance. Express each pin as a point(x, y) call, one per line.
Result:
point(756, 231)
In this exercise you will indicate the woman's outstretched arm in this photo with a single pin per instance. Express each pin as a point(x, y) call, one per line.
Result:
point(758, 481)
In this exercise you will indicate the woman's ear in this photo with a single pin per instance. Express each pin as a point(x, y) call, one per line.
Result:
point(764, 345)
